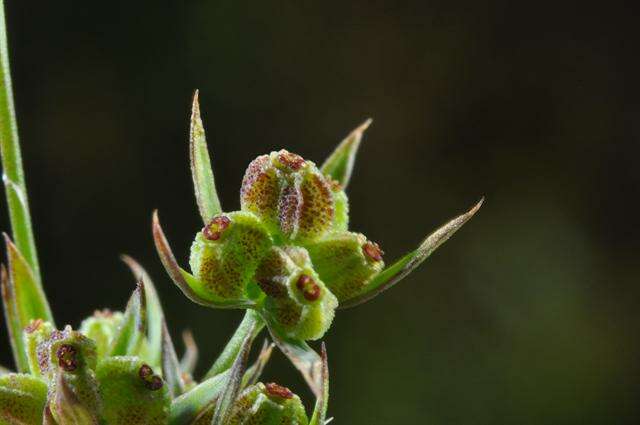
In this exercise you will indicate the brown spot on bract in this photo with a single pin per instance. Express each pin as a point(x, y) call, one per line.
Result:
point(373, 251)
point(310, 289)
point(151, 381)
point(66, 355)
point(213, 231)
point(278, 390)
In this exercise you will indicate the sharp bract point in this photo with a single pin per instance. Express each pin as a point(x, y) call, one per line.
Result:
point(339, 165)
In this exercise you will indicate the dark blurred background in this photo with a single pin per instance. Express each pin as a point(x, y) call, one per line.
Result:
point(527, 316)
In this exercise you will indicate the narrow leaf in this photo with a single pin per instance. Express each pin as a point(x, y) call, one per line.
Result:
point(188, 284)
point(322, 402)
point(251, 324)
point(155, 315)
point(303, 357)
point(13, 323)
point(198, 400)
point(28, 300)
point(67, 406)
point(253, 373)
point(190, 357)
point(405, 265)
point(339, 165)
point(203, 181)
point(171, 371)
point(134, 325)
point(234, 383)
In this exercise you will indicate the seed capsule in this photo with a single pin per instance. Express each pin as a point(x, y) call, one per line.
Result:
point(290, 195)
point(346, 262)
point(269, 404)
point(297, 300)
point(225, 255)
point(35, 334)
point(102, 328)
point(22, 399)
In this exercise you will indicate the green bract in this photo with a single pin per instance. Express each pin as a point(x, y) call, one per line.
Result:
point(269, 404)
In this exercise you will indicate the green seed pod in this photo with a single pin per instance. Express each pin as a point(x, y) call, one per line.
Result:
point(101, 328)
point(226, 253)
point(36, 333)
point(22, 399)
point(69, 359)
point(290, 195)
point(297, 300)
point(346, 262)
point(269, 404)
point(132, 393)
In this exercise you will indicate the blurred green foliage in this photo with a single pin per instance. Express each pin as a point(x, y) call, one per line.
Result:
point(527, 316)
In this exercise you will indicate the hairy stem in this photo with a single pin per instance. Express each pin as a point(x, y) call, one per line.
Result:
point(13, 174)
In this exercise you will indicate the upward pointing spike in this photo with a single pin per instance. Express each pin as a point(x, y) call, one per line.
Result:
point(339, 165)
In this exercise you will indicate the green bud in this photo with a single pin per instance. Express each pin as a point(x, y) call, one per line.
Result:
point(297, 300)
point(68, 359)
point(132, 393)
point(22, 399)
point(346, 262)
point(290, 195)
point(38, 332)
point(269, 404)
point(101, 328)
point(227, 252)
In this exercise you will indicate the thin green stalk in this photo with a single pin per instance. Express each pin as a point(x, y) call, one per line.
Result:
point(13, 174)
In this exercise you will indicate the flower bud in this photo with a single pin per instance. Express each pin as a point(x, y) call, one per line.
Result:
point(297, 300)
point(22, 399)
point(290, 195)
point(101, 328)
point(268, 404)
point(346, 262)
point(132, 392)
point(68, 359)
point(226, 253)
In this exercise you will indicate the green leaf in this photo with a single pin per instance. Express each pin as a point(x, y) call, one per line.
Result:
point(190, 357)
point(303, 357)
point(23, 299)
point(233, 382)
point(155, 315)
point(253, 373)
point(405, 265)
point(339, 165)
point(203, 181)
point(322, 402)
point(66, 407)
point(191, 287)
point(131, 334)
point(171, 371)
point(197, 401)
point(251, 325)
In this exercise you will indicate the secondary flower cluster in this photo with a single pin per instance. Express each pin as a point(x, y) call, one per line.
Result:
point(288, 249)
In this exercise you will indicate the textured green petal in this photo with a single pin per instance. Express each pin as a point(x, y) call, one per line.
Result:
point(203, 180)
point(22, 399)
point(339, 165)
point(189, 285)
point(405, 265)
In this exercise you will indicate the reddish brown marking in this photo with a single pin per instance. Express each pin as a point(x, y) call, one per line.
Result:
point(278, 390)
point(335, 185)
point(151, 381)
point(309, 287)
point(291, 160)
point(67, 357)
point(33, 326)
point(373, 251)
point(214, 229)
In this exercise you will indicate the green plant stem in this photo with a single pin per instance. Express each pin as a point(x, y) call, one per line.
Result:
point(13, 174)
